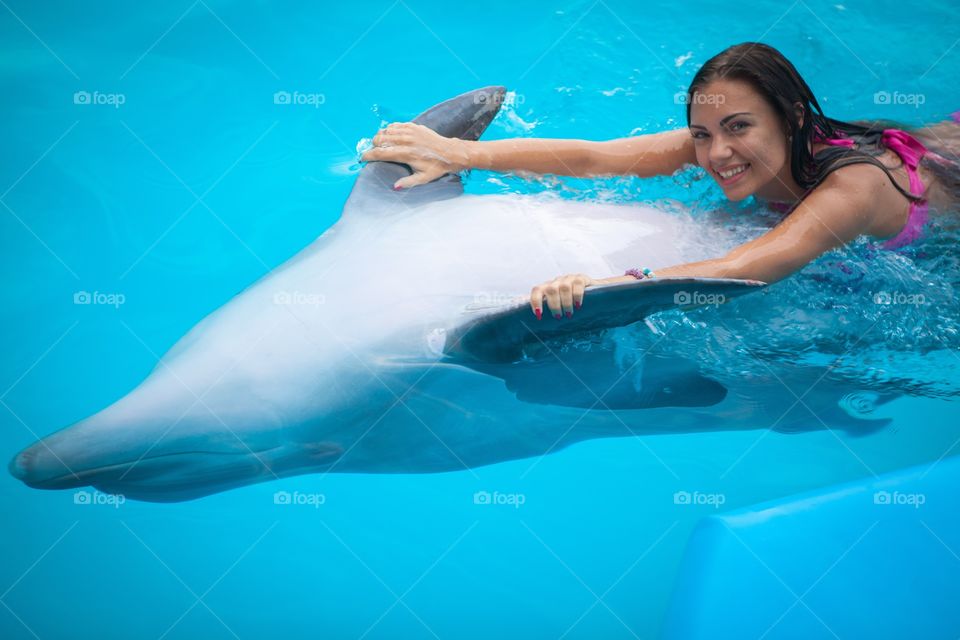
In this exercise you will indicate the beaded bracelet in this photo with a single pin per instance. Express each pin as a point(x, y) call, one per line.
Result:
point(639, 274)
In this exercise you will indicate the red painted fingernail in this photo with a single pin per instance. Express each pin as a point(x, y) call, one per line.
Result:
point(577, 305)
point(569, 314)
point(397, 187)
point(557, 316)
point(538, 312)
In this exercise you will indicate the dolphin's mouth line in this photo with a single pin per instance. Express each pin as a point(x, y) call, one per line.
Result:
point(86, 473)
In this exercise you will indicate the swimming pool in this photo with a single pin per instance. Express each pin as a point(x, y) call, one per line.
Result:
point(169, 157)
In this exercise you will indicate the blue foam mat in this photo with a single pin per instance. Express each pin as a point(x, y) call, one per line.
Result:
point(878, 558)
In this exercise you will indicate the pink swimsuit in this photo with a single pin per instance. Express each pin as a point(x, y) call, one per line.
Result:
point(910, 151)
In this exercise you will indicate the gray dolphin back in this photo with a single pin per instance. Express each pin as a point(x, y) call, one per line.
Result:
point(465, 116)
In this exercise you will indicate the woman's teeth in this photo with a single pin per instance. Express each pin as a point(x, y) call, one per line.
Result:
point(732, 172)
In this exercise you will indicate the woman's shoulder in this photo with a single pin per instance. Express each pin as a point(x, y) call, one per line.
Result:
point(868, 190)
point(859, 177)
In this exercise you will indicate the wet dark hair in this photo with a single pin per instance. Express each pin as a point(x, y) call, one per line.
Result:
point(777, 80)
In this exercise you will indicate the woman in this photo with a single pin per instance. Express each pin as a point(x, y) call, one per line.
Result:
point(756, 128)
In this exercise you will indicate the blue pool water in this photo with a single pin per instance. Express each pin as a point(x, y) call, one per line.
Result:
point(199, 183)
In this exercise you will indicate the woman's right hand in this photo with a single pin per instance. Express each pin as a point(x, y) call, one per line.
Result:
point(429, 154)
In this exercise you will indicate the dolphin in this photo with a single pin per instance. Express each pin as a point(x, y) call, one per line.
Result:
point(399, 341)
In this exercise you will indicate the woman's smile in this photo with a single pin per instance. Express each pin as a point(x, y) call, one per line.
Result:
point(729, 174)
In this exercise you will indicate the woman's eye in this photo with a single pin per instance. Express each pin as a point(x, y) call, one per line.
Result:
point(736, 126)
point(697, 135)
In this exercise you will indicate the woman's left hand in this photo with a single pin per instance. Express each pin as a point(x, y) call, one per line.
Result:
point(563, 294)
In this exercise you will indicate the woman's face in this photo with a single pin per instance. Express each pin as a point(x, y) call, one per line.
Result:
point(741, 141)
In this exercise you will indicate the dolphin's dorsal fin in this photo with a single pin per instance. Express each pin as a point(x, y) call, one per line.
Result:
point(465, 116)
point(501, 335)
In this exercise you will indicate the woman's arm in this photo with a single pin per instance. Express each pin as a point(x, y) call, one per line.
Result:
point(838, 211)
point(431, 155)
point(647, 155)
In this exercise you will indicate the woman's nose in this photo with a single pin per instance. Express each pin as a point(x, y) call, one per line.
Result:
point(720, 151)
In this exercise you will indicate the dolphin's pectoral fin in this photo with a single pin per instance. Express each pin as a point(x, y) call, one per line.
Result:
point(465, 116)
point(501, 336)
point(557, 362)
point(592, 379)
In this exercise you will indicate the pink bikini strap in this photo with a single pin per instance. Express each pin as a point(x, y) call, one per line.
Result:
point(902, 143)
point(910, 151)
point(841, 141)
